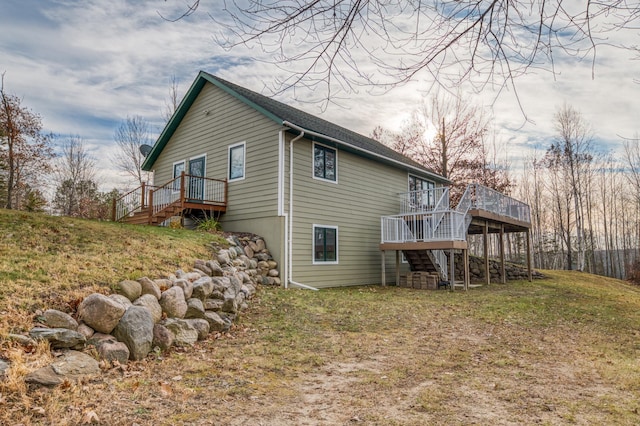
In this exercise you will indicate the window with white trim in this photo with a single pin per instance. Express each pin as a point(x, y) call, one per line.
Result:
point(178, 168)
point(325, 163)
point(237, 161)
point(325, 244)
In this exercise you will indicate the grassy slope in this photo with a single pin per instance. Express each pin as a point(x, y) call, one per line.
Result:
point(563, 350)
point(50, 262)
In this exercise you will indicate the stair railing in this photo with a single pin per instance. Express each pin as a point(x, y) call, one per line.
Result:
point(129, 203)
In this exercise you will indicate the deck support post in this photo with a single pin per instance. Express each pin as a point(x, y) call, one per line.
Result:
point(502, 267)
point(150, 207)
point(397, 268)
point(384, 272)
point(485, 252)
point(452, 269)
point(528, 236)
point(143, 188)
point(465, 255)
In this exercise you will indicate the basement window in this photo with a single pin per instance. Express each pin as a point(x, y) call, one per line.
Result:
point(325, 244)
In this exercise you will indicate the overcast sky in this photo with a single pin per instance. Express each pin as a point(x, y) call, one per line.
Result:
point(85, 65)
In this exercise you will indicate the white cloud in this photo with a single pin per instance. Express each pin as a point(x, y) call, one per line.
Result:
point(86, 65)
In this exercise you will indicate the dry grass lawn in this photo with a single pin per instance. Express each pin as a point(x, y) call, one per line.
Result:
point(565, 350)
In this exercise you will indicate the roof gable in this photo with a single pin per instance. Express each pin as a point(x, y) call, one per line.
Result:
point(282, 113)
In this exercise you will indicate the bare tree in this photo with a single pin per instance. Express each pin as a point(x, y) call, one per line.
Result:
point(570, 159)
point(339, 44)
point(130, 136)
point(75, 176)
point(24, 150)
point(458, 150)
point(171, 105)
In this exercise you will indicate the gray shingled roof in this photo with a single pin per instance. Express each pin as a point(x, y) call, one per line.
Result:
point(310, 122)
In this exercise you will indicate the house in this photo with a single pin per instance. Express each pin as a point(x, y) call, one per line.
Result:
point(314, 190)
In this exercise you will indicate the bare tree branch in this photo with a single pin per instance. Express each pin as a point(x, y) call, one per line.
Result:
point(338, 45)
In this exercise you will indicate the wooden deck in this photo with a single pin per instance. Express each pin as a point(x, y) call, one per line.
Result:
point(153, 205)
point(436, 227)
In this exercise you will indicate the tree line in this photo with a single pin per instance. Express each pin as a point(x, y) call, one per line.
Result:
point(33, 176)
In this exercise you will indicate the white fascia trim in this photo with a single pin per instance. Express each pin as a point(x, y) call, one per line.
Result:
point(281, 173)
point(244, 161)
point(320, 135)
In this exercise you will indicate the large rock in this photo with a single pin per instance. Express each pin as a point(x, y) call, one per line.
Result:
point(109, 348)
point(100, 312)
point(202, 288)
point(135, 329)
point(195, 308)
point(150, 302)
point(126, 303)
point(162, 337)
point(201, 326)
point(58, 337)
point(184, 333)
point(173, 302)
point(129, 289)
point(216, 323)
point(223, 257)
point(150, 287)
point(72, 365)
point(186, 286)
point(59, 319)
point(214, 266)
point(202, 266)
point(4, 368)
point(164, 284)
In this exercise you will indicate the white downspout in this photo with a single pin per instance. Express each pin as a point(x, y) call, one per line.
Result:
point(290, 220)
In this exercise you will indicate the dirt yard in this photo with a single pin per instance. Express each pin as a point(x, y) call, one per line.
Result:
point(558, 351)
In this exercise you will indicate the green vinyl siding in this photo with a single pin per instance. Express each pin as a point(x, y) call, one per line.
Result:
point(215, 122)
point(366, 190)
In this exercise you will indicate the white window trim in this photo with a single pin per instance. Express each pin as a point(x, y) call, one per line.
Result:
point(173, 170)
point(313, 161)
point(244, 161)
point(313, 246)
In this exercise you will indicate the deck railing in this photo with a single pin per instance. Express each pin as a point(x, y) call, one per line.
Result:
point(426, 215)
point(445, 225)
point(424, 200)
point(184, 188)
point(488, 199)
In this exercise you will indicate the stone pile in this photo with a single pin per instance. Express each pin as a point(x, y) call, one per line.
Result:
point(155, 314)
point(476, 270)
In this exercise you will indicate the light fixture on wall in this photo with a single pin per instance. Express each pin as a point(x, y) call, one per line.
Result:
point(207, 112)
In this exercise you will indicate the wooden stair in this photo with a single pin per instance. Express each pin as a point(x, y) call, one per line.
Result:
point(421, 261)
point(141, 217)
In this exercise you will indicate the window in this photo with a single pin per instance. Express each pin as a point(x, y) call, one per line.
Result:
point(417, 184)
point(420, 196)
point(236, 161)
point(178, 168)
point(325, 244)
point(324, 163)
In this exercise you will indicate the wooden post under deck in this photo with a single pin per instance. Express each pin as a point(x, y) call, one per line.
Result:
point(502, 268)
point(452, 270)
point(397, 268)
point(529, 256)
point(384, 281)
point(465, 254)
point(485, 248)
